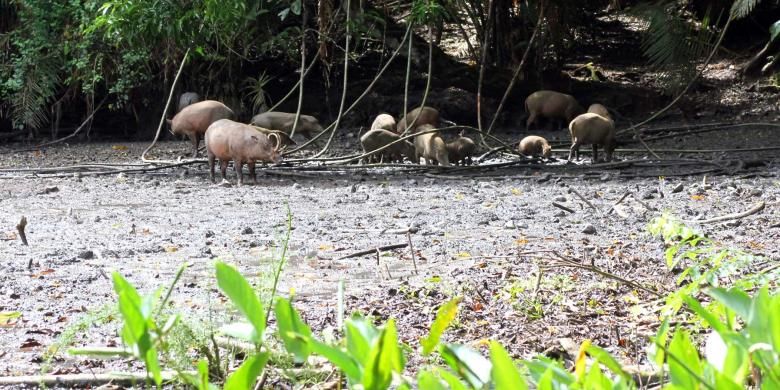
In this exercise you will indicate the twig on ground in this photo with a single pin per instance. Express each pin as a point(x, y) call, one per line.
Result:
point(647, 206)
point(411, 249)
point(85, 380)
point(562, 207)
point(372, 250)
point(575, 192)
point(619, 201)
point(20, 228)
point(753, 210)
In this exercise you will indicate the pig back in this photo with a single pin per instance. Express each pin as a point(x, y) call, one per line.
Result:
point(424, 116)
point(196, 118)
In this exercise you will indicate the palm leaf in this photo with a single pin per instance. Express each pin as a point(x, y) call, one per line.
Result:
point(742, 8)
point(29, 104)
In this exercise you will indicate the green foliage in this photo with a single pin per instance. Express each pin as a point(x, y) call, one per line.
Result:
point(444, 318)
point(672, 44)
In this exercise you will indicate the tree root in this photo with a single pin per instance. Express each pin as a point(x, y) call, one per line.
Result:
point(753, 210)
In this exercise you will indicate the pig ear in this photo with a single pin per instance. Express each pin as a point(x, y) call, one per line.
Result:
point(276, 139)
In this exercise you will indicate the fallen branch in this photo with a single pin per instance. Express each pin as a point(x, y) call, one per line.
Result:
point(587, 202)
point(20, 228)
point(755, 209)
point(374, 250)
point(647, 206)
point(619, 201)
point(84, 380)
point(562, 207)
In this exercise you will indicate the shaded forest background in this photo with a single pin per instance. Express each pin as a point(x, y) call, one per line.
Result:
point(61, 59)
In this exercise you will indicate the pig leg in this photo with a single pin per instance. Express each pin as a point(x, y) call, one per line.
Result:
point(195, 142)
point(223, 164)
point(251, 165)
point(595, 153)
point(531, 119)
point(211, 166)
point(574, 150)
point(239, 165)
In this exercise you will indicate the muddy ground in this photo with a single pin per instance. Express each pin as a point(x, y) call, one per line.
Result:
point(472, 234)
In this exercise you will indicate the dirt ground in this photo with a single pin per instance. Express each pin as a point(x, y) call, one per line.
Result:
point(472, 237)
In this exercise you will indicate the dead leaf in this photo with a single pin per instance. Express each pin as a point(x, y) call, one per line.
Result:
point(521, 241)
point(119, 147)
point(326, 247)
point(459, 196)
point(697, 197)
point(7, 316)
point(477, 306)
point(44, 272)
point(463, 255)
point(171, 249)
point(30, 343)
point(516, 192)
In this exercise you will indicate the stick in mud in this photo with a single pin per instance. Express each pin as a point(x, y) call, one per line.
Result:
point(758, 207)
point(573, 191)
point(562, 207)
point(372, 250)
point(20, 228)
point(411, 249)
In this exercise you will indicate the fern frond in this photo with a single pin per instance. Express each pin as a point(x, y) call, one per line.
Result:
point(742, 8)
point(673, 45)
point(29, 102)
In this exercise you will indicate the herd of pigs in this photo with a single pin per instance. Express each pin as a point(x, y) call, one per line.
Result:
point(268, 133)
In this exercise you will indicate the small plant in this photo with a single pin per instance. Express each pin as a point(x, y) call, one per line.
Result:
point(256, 90)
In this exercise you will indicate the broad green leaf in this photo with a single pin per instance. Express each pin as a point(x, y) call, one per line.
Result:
point(153, 365)
point(246, 375)
point(595, 379)
point(706, 315)
point(724, 382)
point(384, 359)
point(734, 299)
point(542, 366)
point(547, 381)
point(603, 357)
point(102, 352)
point(504, 373)
point(243, 297)
point(581, 360)
point(203, 376)
point(427, 380)
point(444, 317)
point(290, 325)
point(656, 354)
point(360, 334)
point(338, 358)
point(467, 363)
point(240, 330)
point(774, 31)
point(135, 333)
point(452, 380)
point(683, 361)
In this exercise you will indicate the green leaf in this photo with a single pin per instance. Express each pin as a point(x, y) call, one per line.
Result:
point(451, 379)
point(444, 317)
point(774, 31)
point(706, 315)
point(595, 379)
point(290, 325)
point(7, 316)
point(427, 380)
point(243, 297)
point(467, 363)
point(338, 358)
point(246, 375)
point(153, 365)
point(102, 352)
point(203, 376)
point(240, 330)
point(504, 373)
point(734, 299)
point(134, 332)
point(384, 359)
point(685, 360)
point(541, 367)
point(603, 357)
point(656, 354)
point(360, 335)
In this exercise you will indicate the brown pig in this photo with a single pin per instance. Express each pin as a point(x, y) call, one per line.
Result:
point(431, 147)
point(375, 139)
point(418, 117)
point(461, 150)
point(385, 122)
point(194, 119)
point(228, 140)
point(187, 98)
point(283, 121)
point(599, 109)
point(534, 145)
point(551, 105)
point(590, 128)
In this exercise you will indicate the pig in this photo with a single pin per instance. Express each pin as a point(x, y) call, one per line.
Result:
point(195, 119)
point(461, 150)
point(284, 138)
point(228, 140)
point(553, 106)
point(590, 128)
point(431, 147)
point(377, 138)
point(533, 145)
point(283, 121)
point(599, 109)
point(419, 116)
point(385, 122)
point(187, 98)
